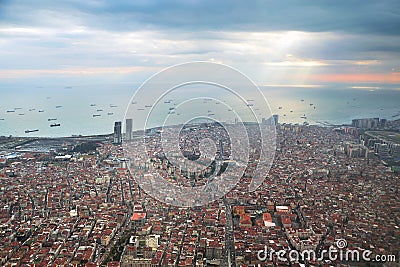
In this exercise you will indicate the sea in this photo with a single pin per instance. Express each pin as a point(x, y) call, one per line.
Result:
point(92, 109)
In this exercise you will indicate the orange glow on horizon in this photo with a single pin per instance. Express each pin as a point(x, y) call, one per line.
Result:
point(392, 78)
point(21, 73)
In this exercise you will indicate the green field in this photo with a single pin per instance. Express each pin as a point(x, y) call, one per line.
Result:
point(396, 168)
point(387, 135)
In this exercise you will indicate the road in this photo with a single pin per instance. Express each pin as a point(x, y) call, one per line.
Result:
point(229, 236)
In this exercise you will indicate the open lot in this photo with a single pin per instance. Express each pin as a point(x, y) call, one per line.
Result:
point(387, 135)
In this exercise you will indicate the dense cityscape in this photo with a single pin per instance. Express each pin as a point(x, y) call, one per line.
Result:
point(74, 202)
point(152, 133)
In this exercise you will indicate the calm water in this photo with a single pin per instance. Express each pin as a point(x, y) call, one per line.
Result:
point(333, 105)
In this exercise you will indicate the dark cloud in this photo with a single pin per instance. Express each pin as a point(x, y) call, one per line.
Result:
point(344, 15)
point(259, 34)
point(351, 46)
point(375, 17)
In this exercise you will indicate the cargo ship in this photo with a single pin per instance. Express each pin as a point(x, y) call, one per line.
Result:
point(32, 131)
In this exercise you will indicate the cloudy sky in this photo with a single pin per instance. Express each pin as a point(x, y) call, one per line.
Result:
point(306, 43)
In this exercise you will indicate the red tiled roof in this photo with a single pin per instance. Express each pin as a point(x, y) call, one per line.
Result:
point(138, 216)
point(286, 220)
point(267, 217)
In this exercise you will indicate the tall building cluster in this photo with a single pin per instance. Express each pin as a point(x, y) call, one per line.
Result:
point(369, 123)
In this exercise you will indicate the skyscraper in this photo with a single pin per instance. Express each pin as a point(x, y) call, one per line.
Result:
point(276, 118)
point(117, 132)
point(128, 129)
point(269, 121)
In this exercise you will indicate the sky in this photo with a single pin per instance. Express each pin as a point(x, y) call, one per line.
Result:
point(293, 42)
